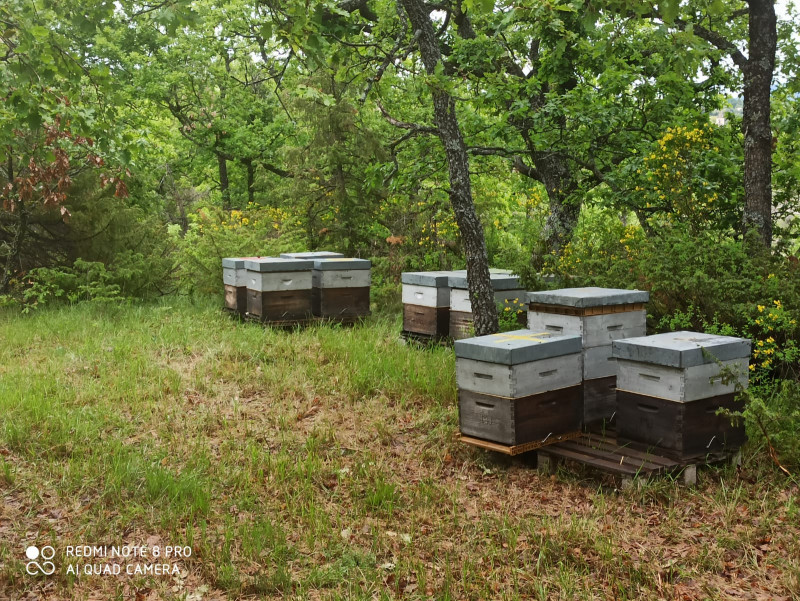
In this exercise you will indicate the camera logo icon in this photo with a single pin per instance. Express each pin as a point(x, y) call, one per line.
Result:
point(33, 567)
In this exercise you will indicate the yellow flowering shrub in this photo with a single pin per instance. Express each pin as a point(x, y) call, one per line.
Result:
point(689, 176)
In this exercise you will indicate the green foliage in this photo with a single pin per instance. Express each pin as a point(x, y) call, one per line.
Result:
point(214, 234)
point(84, 281)
point(512, 314)
point(708, 282)
point(774, 413)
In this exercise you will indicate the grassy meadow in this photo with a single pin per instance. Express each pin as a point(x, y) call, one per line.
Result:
point(322, 464)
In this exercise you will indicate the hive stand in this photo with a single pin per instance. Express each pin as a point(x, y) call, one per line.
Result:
point(632, 463)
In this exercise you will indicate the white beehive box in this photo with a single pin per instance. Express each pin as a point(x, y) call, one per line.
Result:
point(341, 273)
point(271, 274)
point(234, 272)
point(682, 366)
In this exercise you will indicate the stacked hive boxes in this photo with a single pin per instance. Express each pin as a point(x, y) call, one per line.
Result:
point(670, 387)
point(519, 387)
point(341, 288)
point(505, 285)
point(234, 276)
point(426, 303)
point(279, 289)
point(599, 316)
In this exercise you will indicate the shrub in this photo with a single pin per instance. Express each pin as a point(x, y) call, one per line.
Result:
point(214, 234)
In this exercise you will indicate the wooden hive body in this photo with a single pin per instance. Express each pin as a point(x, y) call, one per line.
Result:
point(671, 386)
point(683, 429)
point(341, 287)
point(426, 303)
point(599, 316)
point(518, 387)
point(279, 289)
point(234, 278)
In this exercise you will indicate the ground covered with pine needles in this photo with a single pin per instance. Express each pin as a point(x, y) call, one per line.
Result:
point(322, 464)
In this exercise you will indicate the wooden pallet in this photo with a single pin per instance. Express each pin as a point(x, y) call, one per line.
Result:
point(515, 449)
point(282, 323)
point(425, 339)
point(629, 460)
point(294, 323)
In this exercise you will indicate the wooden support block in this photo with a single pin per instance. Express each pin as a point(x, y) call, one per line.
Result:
point(546, 464)
point(690, 475)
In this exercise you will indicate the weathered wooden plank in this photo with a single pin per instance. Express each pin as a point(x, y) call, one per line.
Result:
point(637, 463)
point(515, 449)
point(612, 445)
point(593, 459)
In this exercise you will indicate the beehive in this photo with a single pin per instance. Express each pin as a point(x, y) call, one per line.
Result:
point(671, 386)
point(518, 387)
point(234, 278)
point(505, 285)
point(426, 303)
point(599, 316)
point(341, 287)
point(279, 290)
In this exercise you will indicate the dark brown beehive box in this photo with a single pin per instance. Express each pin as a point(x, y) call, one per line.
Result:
point(432, 321)
point(281, 305)
point(683, 429)
point(340, 302)
point(518, 421)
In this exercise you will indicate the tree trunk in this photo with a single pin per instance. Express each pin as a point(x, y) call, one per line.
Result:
point(251, 179)
point(22, 226)
point(556, 175)
point(756, 119)
point(223, 182)
point(481, 293)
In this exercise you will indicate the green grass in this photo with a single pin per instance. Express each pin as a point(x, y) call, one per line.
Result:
point(320, 463)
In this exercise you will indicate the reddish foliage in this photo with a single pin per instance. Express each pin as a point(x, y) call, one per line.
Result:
point(49, 180)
